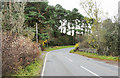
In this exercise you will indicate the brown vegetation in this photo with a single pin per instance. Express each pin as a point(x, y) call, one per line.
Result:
point(17, 52)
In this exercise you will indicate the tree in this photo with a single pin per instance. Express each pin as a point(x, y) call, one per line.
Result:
point(13, 16)
point(60, 15)
point(109, 37)
point(68, 15)
point(35, 15)
point(92, 9)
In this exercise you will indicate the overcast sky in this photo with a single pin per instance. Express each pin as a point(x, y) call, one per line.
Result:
point(110, 6)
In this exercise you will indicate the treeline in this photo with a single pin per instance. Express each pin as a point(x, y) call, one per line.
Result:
point(46, 24)
point(53, 23)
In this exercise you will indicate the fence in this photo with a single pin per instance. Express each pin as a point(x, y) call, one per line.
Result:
point(87, 50)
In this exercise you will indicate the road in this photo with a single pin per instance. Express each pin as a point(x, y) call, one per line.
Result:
point(62, 63)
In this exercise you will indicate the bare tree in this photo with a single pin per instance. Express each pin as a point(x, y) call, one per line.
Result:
point(13, 16)
point(92, 9)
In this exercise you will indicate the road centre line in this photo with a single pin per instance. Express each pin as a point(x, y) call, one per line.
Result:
point(68, 59)
point(89, 71)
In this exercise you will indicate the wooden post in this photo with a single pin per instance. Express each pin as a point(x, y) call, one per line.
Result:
point(36, 32)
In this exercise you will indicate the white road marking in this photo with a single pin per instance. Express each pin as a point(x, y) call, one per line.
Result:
point(68, 59)
point(43, 70)
point(89, 71)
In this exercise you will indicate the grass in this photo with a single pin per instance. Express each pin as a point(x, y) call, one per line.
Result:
point(34, 69)
point(31, 70)
point(94, 55)
point(58, 47)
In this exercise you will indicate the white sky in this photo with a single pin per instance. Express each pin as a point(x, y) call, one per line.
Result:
point(110, 6)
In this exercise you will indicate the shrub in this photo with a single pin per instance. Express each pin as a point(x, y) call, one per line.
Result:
point(72, 51)
point(84, 44)
point(77, 45)
point(17, 52)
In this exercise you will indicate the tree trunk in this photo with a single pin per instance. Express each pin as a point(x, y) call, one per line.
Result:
point(71, 31)
point(71, 28)
point(66, 28)
point(74, 34)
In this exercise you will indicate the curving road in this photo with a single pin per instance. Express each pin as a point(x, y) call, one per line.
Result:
point(62, 63)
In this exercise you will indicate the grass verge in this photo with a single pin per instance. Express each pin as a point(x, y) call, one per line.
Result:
point(34, 69)
point(96, 56)
point(58, 47)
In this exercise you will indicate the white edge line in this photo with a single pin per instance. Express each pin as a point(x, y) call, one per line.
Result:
point(89, 71)
point(68, 59)
point(44, 65)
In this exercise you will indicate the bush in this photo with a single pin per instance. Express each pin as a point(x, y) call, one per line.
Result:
point(84, 44)
point(17, 52)
point(72, 51)
point(77, 45)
